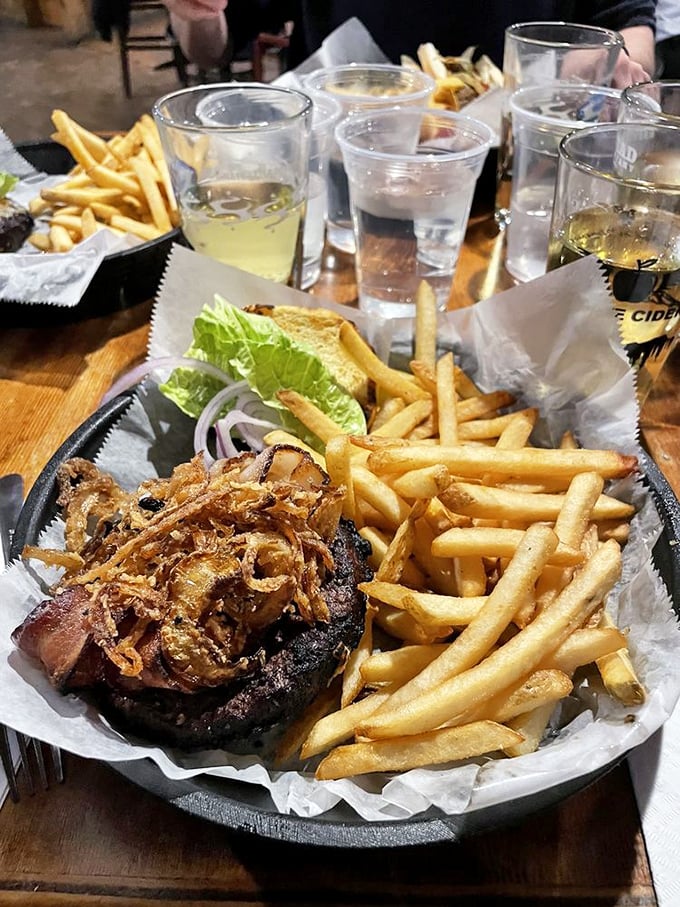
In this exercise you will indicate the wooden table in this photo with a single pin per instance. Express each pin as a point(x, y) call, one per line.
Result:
point(99, 840)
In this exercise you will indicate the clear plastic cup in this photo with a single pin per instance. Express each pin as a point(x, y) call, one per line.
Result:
point(541, 118)
point(238, 156)
point(359, 88)
point(651, 102)
point(325, 116)
point(412, 174)
point(536, 53)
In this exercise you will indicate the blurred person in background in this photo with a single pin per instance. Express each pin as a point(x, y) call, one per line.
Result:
point(399, 26)
point(668, 39)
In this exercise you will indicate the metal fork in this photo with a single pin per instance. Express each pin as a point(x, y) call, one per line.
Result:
point(31, 751)
point(35, 767)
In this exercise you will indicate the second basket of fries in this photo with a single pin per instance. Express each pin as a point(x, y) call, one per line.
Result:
point(112, 194)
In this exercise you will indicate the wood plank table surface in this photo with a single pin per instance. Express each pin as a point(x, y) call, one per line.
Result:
point(99, 840)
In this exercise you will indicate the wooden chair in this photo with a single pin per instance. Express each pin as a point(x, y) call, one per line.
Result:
point(130, 40)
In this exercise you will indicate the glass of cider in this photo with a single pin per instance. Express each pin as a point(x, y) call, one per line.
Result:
point(238, 155)
point(618, 198)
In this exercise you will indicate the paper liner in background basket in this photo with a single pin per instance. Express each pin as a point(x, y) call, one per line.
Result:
point(560, 350)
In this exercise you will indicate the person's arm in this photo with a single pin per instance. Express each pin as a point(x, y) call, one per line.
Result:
point(635, 20)
point(638, 65)
point(200, 27)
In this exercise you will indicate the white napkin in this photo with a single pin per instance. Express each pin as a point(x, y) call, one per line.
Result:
point(655, 770)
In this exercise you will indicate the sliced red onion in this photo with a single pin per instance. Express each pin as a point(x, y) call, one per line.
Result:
point(236, 418)
point(208, 416)
point(135, 375)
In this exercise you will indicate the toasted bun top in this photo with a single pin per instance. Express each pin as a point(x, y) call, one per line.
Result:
point(319, 329)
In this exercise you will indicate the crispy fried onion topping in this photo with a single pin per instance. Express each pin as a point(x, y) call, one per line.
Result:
point(202, 563)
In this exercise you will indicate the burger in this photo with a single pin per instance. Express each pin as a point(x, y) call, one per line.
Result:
point(203, 610)
point(15, 221)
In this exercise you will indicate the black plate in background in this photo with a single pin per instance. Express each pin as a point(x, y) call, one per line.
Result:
point(246, 808)
point(123, 279)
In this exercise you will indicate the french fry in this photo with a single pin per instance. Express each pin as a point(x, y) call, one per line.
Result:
point(339, 725)
point(278, 436)
point(380, 544)
point(426, 324)
point(380, 496)
point(405, 420)
point(491, 541)
point(542, 688)
point(82, 197)
point(465, 386)
point(425, 375)
point(152, 142)
point(427, 608)
point(483, 404)
point(128, 225)
point(397, 666)
point(389, 408)
point(584, 647)
point(338, 466)
point(402, 625)
point(40, 241)
point(447, 417)
point(396, 382)
point(428, 482)
point(352, 678)
point(71, 140)
point(470, 575)
point(505, 504)
point(310, 415)
point(38, 206)
point(88, 223)
point(531, 726)
point(618, 673)
point(535, 462)
point(147, 180)
point(433, 748)
point(106, 178)
point(60, 241)
point(70, 222)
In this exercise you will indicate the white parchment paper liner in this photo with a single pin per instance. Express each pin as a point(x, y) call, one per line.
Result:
point(554, 340)
point(58, 279)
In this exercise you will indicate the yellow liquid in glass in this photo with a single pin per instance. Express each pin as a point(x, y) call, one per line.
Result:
point(250, 225)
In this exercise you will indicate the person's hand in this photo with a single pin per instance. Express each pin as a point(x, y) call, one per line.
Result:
point(196, 10)
point(628, 72)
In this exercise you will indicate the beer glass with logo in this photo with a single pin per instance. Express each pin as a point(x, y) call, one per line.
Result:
point(618, 197)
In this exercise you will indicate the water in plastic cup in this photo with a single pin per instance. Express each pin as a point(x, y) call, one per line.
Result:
point(360, 88)
point(325, 115)
point(537, 53)
point(412, 174)
point(541, 118)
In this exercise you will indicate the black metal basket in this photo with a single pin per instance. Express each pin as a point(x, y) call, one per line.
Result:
point(123, 279)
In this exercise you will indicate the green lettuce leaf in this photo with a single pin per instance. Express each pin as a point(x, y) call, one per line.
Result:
point(254, 348)
point(7, 183)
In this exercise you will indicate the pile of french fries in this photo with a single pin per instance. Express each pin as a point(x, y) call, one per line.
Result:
point(122, 185)
point(458, 80)
point(493, 560)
